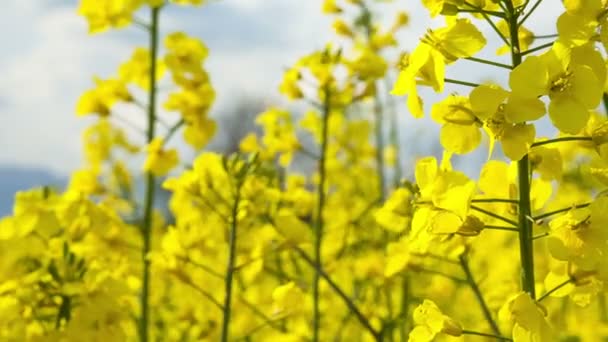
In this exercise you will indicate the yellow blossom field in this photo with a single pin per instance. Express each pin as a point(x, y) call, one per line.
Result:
point(169, 240)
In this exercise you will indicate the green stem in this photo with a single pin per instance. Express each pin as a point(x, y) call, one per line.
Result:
point(492, 13)
point(394, 137)
point(540, 236)
point(494, 215)
point(601, 302)
point(345, 298)
point(469, 332)
point(538, 48)
point(150, 183)
point(558, 140)
point(489, 20)
point(489, 226)
point(605, 102)
point(494, 200)
point(548, 293)
point(405, 303)
point(546, 36)
point(484, 306)
point(559, 211)
point(464, 83)
point(318, 231)
point(230, 267)
point(379, 143)
point(172, 130)
point(523, 20)
point(485, 61)
point(526, 250)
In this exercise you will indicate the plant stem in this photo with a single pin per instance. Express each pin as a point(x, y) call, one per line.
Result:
point(539, 236)
point(559, 211)
point(484, 306)
point(494, 200)
point(150, 183)
point(345, 298)
point(469, 332)
point(378, 117)
point(318, 231)
point(558, 140)
point(394, 137)
point(464, 83)
point(548, 293)
point(526, 250)
point(494, 215)
point(523, 20)
point(405, 303)
point(230, 267)
point(493, 227)
point(534, 49)
point(485, 61)
point(489, 20)
point(173, 129)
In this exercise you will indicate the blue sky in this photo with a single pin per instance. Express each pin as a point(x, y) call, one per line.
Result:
point(48, 60)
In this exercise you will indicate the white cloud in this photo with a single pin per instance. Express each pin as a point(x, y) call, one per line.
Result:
point(49, 60)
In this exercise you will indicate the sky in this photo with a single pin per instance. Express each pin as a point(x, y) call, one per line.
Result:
point(48, 60)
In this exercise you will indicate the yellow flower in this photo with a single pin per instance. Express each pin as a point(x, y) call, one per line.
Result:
point(289, 86)
point(279, 134)
point(160, 161)
point(104, 14)
point(287, 299)
point(573, 80)
point(342, 28)
point(101, 99)
point(579, 235)
point(397, 257)
point(460, 39)
point(137, 69)
point(460, 132)
point(529, 319)
point(430, 322)
point(395, 214)
point(525, 36)
point(368, 65)
point(330, 7)
point(425, 66)
point(515, 136)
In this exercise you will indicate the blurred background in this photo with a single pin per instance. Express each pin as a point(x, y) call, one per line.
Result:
point(48, 60)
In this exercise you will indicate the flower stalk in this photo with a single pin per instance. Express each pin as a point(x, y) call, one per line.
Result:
point(523, 174)
point(318, 229)
point(150, 180)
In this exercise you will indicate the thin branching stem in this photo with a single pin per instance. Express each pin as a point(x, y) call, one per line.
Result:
point(535, 49)
point(464, 83)
point(473, 284)
point(345, 298)
point(318, 227)
point(526, 248)
point(559, 286)
point(492, 24)
point(559, 211)
point(534, 7)
point(561, 139)
point(494, 215)
point(540, 236)
point(150, 182)
point(230, 267)
point(476, 333)
point(173, 129)
point(493, 227)
point(494, 200)
point(488, 62)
